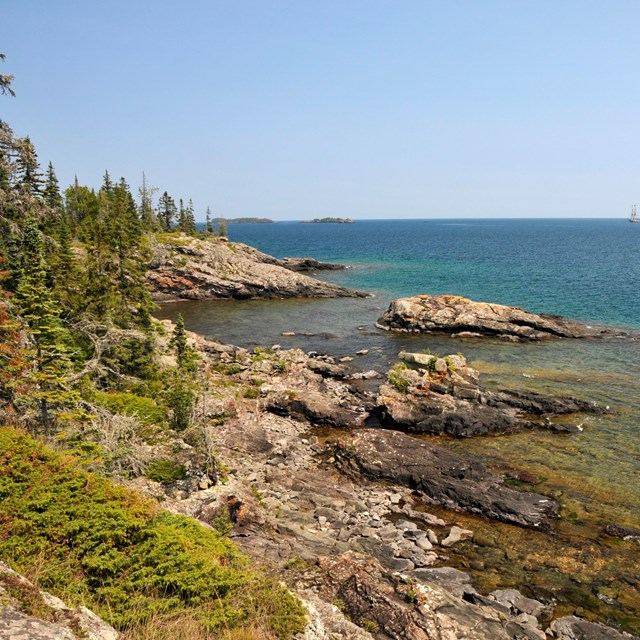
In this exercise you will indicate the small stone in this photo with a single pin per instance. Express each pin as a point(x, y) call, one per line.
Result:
point(288, 334)
point(441, 365)
point(424, 544)
point(362, 352)
point(477, 565)
point(395, 498)
point(276, 347)
point(433, 538)
point(456, 534)
point(204, 483)
point(346, 359)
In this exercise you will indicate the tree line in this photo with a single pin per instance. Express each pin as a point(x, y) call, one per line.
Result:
point(75, 314)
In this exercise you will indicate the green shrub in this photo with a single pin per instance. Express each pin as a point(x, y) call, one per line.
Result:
point(251, 392)
point(93, 543)
point(396, 377)
point(129, 404)
point(165, 471)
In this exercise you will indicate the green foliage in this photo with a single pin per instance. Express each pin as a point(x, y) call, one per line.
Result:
point(51, 342)
point(180, 399)
point(251, 392)
point(94, 543)
point(397, 379)
point(146, 410)
point(165, 471)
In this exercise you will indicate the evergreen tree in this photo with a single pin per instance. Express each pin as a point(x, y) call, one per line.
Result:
point(179, 341)
point(182, 220)
point(41, 313)
point(12, 359)
point(29, 175)
point(166, 211)
point(81, 207)
point(107, 184)
point(51, 194)
point(190, 219)
point(5, 81)
point(208, 222)
point(222, 229)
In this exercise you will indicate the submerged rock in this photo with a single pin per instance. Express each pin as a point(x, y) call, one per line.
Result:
point(572, 628)
point(459, 316)
point(448, 478)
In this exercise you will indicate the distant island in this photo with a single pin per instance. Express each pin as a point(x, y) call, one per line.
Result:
point(243, 221)
point(338, 220)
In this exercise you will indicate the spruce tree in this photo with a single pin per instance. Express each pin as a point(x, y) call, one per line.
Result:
point(28, 168)
point(189, 219)
point(208, 222)
point(39, 310)
point(166, 211)
point(52, 197)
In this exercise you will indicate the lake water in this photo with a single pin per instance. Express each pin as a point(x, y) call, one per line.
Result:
point(587, 270)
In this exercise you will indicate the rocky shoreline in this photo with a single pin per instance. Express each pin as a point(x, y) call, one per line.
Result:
point(352, 517)
point(186, 268)
point(322, 477)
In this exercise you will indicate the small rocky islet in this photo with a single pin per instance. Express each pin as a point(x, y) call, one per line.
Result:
point(328, 482)
point(458, 316)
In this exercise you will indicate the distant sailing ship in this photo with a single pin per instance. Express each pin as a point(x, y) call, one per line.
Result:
point(634, 215)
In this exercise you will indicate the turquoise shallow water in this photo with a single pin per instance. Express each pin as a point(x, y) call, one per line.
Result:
point(584, 269)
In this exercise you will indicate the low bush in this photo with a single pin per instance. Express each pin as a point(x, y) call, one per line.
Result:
point(94, 543)
point(146, 410)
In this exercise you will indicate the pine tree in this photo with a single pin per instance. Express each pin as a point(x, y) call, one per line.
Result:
point(5, 82)
point(41, 313)
point(189, 219)
point(208, 222)
point(179, 342)
point(52, 197)
point(166, 211)
point(28, 168)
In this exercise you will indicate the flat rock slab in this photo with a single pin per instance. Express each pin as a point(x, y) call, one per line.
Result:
point(457, 315)
point(450, 479)
point(197, 269)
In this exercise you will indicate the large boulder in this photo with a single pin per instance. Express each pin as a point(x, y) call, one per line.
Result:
point(457, 315)
point(452, 480)
point(442, 396)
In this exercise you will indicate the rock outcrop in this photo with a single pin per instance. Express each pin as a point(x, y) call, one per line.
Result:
point(26, 613)
point(449, 479)
point(442, 396)
point(310, 264)
point(456, 315)
point(195, 269)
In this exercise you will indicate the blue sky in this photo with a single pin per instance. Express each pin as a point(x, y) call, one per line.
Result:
point(293, 109)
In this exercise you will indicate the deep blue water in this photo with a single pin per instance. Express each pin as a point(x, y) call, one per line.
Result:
point(584, 269)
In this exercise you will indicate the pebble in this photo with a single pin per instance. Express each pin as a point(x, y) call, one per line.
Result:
point(362, 352)
point(395, 498)
point(433, 538)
